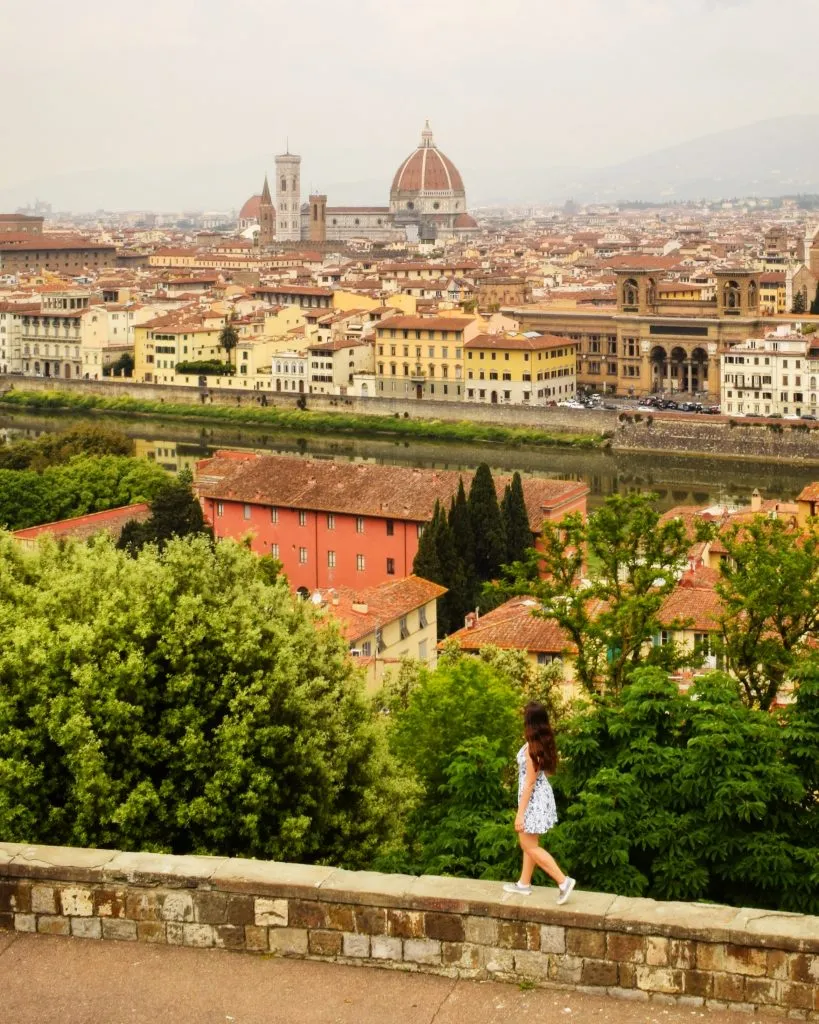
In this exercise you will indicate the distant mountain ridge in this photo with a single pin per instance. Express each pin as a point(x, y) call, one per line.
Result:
point(776, 157)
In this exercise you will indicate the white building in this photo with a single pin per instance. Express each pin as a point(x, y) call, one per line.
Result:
point(768, 376)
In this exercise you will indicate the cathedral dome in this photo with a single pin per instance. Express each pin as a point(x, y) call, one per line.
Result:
point(465, 220)
point(427, 170)
point(250, 211)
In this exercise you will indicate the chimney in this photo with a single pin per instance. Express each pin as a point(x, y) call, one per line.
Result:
point(470, 620)
point(359, 605)
point(756, 500)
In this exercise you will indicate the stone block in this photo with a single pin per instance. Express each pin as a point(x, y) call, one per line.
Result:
point(518, 935)
point(778, 964)
point(626, 975)
point(447, 927)
point(483, 931)
point(465, 955)
point(324, 943)
point(682, 953)
point(422, 951)
point(115, 928)
point(803, 967)
point(532, 965)
point(625, 948)
point(690, 1001)
point(795, 995)
point(15, 897)
point(109, 902)
point(499, 961)
point(198, 935)
point(241, 910)
point(269, 878)
point(565, 969)
point(657, 950)
point(43, 899)
point(386, 947)
point(371, 920)
point(307, 914)
point(288, 941)
point(745, 960)
point(86, 927)
point(340, 917)
point(161, 869)
point(631, 994)
point(177, 906)
point(698, 983)
point(270, 913)
point(728, 988)
point(659, 979)
point(151, 931)
point(63, 863)
point(586, 942)
point(25, 923)
point(762, 990)
point(210, 907)
point(143, 906)
point(256, 938)
point(174, 933)
point(552, 938)
point(229, 936)
point(355, 945)
point(405, 924)
point(76, 902)
point(53, 924)
point(599, 972)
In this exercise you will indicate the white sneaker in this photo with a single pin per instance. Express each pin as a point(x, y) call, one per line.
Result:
point(565, 890)
point(521, 890)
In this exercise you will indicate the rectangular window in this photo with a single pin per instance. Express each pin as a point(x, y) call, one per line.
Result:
point(274, 550)
point(331, 521)
point(359, 524)
point(246, 512)
point(422, 618)
point(331, 559)
point(403, 627)
point(302, 517)
point(302, 556)
point(274, 515)
point(367, 649)
point(359, 563)
point(390, 528)
point(422, 650)
point(390, 566)
point(220, 508)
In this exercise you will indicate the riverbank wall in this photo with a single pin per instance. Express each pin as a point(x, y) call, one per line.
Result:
point(661, 433)
point(697, 955)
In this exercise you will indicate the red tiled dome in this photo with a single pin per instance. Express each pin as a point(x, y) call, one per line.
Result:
point(465, 220)
point(250, 211)
point(427, 170)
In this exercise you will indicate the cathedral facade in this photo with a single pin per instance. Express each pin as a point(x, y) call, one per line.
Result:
point(427, 202)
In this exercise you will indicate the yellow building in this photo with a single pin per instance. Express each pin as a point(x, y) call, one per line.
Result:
point(773, 297)
point(422, 357)
point(184, 335)
point(529, 369)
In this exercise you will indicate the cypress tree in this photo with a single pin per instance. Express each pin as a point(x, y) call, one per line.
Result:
point(814, 306)
point(426, 563)
point(487, 525)
point(460, 526)
point(450, 606)
point(516, 521)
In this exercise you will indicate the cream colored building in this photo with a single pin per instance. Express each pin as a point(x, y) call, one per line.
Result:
point(767, 376)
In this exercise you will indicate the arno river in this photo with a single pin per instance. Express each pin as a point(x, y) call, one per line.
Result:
point(676, 480)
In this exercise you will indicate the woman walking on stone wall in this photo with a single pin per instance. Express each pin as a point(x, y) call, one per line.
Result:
point(537, 759)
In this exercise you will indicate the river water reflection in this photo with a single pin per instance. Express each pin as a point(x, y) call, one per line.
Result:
point(676, 480)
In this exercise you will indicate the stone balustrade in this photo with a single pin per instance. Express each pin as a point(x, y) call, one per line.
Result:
point(639, 949)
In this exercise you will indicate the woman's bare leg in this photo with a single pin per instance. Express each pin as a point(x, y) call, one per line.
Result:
point(530, 845)
point(527, 869)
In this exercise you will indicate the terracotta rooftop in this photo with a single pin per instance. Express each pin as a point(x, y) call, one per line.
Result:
point(519, 341)
point(384, 603)
point(694, 601)
point(427, 323)
point(395, 492)
point(83, 527)
point(513, 626)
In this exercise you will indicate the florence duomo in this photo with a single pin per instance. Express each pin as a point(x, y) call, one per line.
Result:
point(427, 202)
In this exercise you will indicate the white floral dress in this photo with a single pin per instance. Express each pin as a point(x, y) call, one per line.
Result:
point(540, 814)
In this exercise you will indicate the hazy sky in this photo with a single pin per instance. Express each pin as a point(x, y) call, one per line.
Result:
point(158, 85)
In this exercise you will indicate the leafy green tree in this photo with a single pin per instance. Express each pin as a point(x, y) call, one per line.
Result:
point(85, 484)
point(769, 586)
point(228, 338)
point(798, 305)
point(488, 537)
point(685, 797)
point(516, 521)
point(206, 368)
point(175, 512)
point(180, 701)
point(122, 367)
point(603, 580)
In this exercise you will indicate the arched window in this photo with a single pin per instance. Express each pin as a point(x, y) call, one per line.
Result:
point(630, 292)
point(284, 184)
point(732, 297)
point(410, 205)
point(812, 383)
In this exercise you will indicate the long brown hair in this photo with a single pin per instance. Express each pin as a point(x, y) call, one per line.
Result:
point(540, 737)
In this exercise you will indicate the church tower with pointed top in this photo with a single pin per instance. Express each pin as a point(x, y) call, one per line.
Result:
point(288, 197)
point(267, 217)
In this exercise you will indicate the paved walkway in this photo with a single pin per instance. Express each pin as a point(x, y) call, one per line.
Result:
point(79, 981)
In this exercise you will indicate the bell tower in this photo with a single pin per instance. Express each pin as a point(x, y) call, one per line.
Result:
point(288, 197)
point(318, 218)
point(267, 216)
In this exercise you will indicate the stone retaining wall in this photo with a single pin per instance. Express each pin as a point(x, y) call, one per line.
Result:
point(693, 954)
